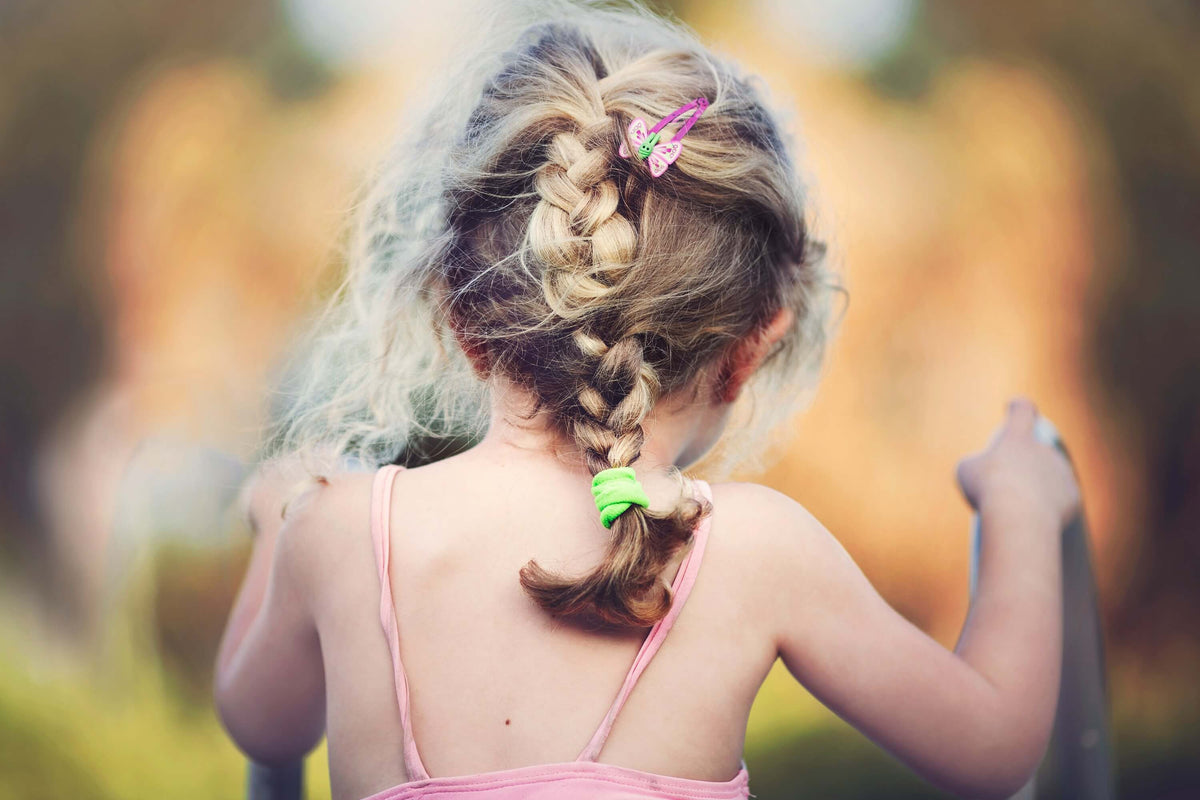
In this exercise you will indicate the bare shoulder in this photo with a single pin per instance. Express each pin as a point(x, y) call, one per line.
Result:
point(766, 522)
point(784, 556)
point(314, 517)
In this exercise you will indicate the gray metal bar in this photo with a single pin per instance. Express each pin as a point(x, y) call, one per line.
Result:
point(275, 783)
point(1082, 760)
point(1082, 743)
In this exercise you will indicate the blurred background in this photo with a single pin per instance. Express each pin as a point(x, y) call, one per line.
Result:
point(1010, 190)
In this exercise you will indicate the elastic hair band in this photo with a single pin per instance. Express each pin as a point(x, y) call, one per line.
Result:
point(661, 155)
point(615, 490)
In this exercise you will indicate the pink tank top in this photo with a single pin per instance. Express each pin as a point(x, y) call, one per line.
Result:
point(582, 779)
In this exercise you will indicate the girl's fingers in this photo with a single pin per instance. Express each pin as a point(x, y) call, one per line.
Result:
point(1022, 414)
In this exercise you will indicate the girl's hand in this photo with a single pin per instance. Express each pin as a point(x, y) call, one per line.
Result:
point(1016, 468)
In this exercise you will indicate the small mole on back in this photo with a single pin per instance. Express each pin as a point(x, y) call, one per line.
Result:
point(508, 722)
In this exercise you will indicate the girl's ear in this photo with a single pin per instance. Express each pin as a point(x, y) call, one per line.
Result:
point(747, 355)
point(476, 352)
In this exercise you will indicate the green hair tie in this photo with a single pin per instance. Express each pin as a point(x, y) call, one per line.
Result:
point(615, 490)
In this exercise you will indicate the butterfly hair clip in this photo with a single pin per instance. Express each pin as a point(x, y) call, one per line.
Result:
point(660, 155)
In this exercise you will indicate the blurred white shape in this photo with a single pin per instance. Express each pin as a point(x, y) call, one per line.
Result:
point(176, 489)
point(846, 32)
point(350, 32)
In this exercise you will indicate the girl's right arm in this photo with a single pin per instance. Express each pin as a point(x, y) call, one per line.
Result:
point(975, 721)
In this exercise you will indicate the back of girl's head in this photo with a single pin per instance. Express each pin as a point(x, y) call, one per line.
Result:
point(573, 272)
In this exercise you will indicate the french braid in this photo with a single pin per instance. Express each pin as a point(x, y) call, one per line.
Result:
point(627, 587)
point(587, 249)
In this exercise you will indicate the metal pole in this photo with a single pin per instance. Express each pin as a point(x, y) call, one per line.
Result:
point(1082, 762)
point(275, 783)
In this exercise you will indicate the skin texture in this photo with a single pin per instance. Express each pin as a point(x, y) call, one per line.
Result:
point(303, 654)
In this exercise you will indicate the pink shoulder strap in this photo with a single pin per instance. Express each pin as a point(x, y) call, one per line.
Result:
point(681, 587)
point(381, 506)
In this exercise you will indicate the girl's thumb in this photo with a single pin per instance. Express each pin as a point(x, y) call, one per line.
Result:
point(1022, 414)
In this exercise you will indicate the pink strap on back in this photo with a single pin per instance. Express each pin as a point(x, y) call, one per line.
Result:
point(681, 587)
point(381, 509)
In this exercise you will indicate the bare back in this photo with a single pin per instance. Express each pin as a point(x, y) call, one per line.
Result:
point(494, 682)
point(496, 685)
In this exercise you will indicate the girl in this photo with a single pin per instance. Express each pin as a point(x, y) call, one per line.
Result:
point(591, 260)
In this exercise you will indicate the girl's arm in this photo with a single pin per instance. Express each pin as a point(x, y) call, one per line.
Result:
point(975, 721)
point(269, 683)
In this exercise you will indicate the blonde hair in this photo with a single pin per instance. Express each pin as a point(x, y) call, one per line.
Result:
point(516, 230)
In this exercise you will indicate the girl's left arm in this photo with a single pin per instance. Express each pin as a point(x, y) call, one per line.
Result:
point(269, 684)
